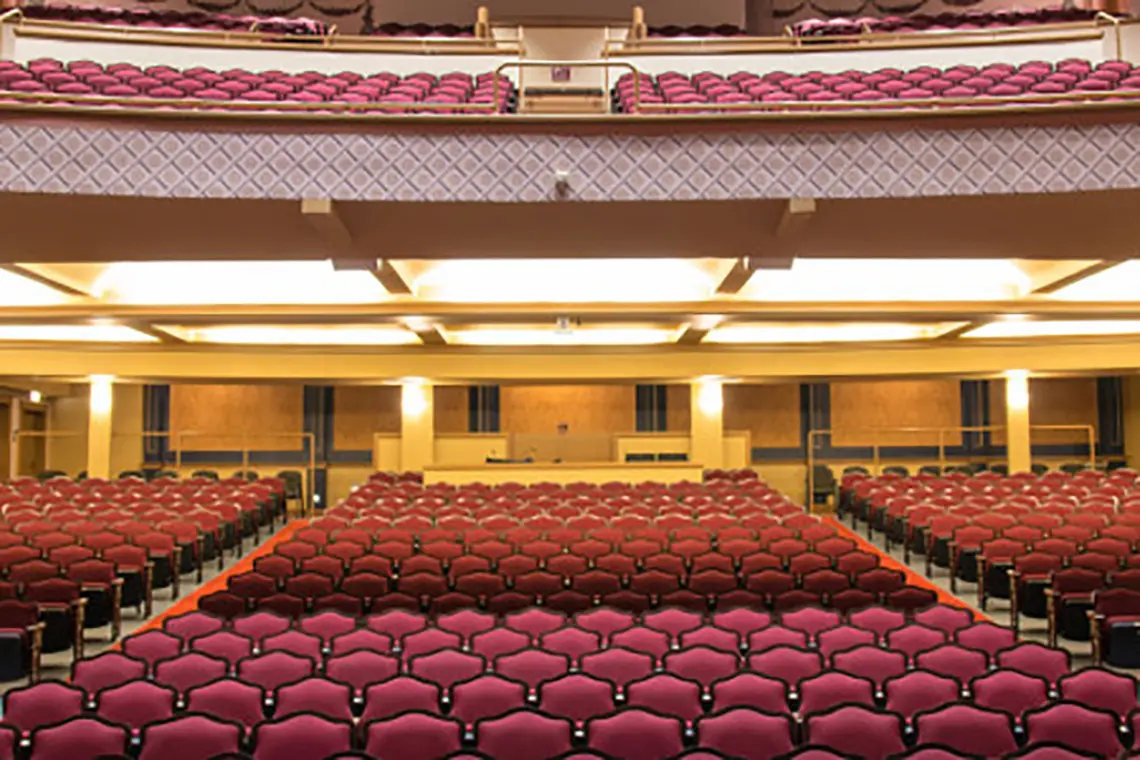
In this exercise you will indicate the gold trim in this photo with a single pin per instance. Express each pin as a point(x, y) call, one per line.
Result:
point(563, 466)
point(1075, 31)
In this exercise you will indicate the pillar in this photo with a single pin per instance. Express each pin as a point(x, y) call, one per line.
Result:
point(100, 411)
point(706, 422)
point(760, 18)
point(1018, 452)
point(14, 414)
point(1131, 410)
point(417, 424)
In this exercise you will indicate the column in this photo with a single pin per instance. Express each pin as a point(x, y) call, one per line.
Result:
point(1131, 420)
point(706, 422)
point(760, 18)
point(99, 425)
point(417, 424)
point(14, 414)
point(1017, 443)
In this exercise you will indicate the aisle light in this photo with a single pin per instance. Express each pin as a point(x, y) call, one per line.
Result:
point(35, 397)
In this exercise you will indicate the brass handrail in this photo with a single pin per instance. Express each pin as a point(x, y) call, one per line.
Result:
point(1102, 16)
point(855, 106)
point(876, 447)
point(196, 104)
point(789, 43)
point(341, 43)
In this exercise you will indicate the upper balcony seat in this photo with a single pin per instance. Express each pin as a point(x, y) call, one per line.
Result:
point(157, 18)
point(1035, 81)
point(95, 84)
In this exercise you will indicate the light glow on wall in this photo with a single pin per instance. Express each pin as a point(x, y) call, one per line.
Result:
point(1017, 389)
point(102, 390)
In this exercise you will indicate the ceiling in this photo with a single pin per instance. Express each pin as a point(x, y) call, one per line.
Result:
point(567, 302)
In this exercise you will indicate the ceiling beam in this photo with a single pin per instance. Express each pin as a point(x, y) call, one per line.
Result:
point(387, 275)
point(429, 334)
point(794, 217)
point(448, 313)
point(737, 277)
point(323, 215)
point(51, 282)
point(692, 335)
point(1075, 277)
point(155, 332)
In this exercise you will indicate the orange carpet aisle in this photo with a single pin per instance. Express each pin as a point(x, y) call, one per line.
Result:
point(190, 602)
point(912, 578)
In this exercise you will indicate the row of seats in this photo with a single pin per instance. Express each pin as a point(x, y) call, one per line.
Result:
point(1058, 546)
point(87, 82)
point(155, 18)
point(939, 22)
point(1036, 79)
point(543, 684)
point(849, 730)
point(164, 18)
point(73, 554)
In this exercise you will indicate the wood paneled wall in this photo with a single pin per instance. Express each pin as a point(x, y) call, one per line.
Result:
point(585, 408)
point(770, 412)
point(1052, 401)
point(859, 407)
point(231, 414)
point(678, 408)
point(451, 412)
point(361, 410)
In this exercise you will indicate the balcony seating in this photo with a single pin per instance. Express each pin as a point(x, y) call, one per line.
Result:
point(91, 83)
point(1036, 81)
point(942, 22)
point(221, 22)
point(172, 19)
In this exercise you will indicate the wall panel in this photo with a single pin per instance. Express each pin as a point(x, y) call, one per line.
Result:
point(771, 413)
point(451, 410)
point(587, 409)
point(678, 409)
point(265, 417)
point(859, 407)
point(359, 411)
point(1052, 401)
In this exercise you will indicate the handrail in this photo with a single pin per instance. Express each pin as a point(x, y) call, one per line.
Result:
point(331, 40)
point(855, 106)
point(11, 13)
point(196, 104)
point(602, 64)
point(789, 43)
point(876, 458)
point(1102, 16)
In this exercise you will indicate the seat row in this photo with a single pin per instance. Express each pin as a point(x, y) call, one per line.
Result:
point(525, 734)
point(1037, 82)
point(90, 83)
point(948, 21)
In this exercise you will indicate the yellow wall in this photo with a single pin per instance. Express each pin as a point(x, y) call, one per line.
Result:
point(262, 417)
point(770, 413)
point(651, 443)
point(859, 407)
point(342, 477)
point(68, 414)
point(1132, 419)
point(126, 424)
point(469, 448)
point(386, 452)
point(1052, 401)
point(585, 408)
point(677, 408)
point(360, 411)
point(451, 410)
